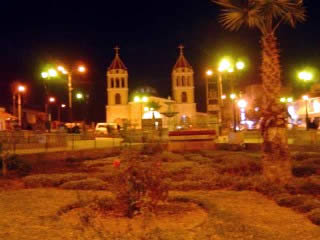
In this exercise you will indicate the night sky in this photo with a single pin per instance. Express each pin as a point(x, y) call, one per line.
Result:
point(148, 33)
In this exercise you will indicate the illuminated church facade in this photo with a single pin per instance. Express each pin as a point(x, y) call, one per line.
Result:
point(182, 105)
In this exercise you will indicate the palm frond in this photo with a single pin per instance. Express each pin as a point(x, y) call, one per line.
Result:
point(237, 13)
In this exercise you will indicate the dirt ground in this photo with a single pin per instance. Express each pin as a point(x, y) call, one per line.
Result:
point(225, 215)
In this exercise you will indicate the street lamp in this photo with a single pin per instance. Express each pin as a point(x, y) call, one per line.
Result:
point(69, 72)
point(306, 99)
point(141, 100)
point(51, 100)
point(306, 76)
point(50, 73)
point(20, 90)
point(233, 96)
point(62, 106)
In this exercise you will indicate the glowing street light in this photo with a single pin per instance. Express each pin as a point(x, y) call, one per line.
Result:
point(305, 97)
point(289, 99)
point(233, 96)
point(44, 75)
point(305, 76)
point(240, 65)
point(52, 73)
point(136, 99)
point(209, 73)
point(79, 96)
point(223, 97)
point(242, 103)
point(145, 99)
point(52, 99)
point(81, 69)
point(20, 89)
point(63, 105)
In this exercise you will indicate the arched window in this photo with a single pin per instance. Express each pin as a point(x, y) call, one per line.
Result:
point(178, 81)
point(117, 98)
point(188, 81)
point(117, 82)
point(123, 82)
point(112, 82)
point(184, 97)
point(183, 81)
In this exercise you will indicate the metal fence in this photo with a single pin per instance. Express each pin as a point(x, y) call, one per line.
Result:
point(21, 142)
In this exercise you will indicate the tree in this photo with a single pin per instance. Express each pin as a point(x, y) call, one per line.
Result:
point(267, 16)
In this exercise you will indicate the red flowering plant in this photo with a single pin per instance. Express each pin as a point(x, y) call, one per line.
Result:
point(140, 183)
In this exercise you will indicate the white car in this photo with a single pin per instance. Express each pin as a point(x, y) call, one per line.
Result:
point(105, 128)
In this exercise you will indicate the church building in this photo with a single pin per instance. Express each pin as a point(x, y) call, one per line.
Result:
point(178, 110)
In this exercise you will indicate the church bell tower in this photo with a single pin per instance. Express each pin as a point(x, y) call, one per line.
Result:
point(117, 88)
point(182, 80)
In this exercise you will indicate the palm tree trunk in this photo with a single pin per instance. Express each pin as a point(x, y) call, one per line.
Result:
point(276, 159)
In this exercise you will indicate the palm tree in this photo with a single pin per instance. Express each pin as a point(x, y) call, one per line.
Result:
point(267, 16)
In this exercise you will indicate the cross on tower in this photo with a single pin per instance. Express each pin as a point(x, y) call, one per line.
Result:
point(181, 47)
point(117, 50)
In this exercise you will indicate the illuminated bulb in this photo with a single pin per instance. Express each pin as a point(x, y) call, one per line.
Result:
point(81, 69)
point(233, 96)
point(21, 88)
point(240, 65)
point(44, 74)
point(136, 99)
point(209, 73)
point(305, 97)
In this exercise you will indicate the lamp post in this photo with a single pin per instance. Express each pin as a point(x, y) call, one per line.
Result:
point(51, 73)
point(227, 65)
point(21, 89)
point(62, 106)
point(52, 100)
point(69, 72)
point(141, 100)
point(306, 99)
point(233, 98)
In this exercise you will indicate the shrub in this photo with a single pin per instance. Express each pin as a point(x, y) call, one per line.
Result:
point(170, 157)
point(310, 187)
point(173, 168)
point(308, 205)
point(15, 163)
point(303, 171)
point(242, 167)
point(314, 216)
point(51, 180)
point(73, 161)
point(139, 185)
point(151, 148)
point(287, 200)
point(85, 184)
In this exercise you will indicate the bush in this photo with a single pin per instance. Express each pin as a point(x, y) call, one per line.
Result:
point(85, 184)
point(51, 180)
point(15, 163)
point(314, 216)
point(171, 157)
point(241, 167)
point(303, 171)
point(139, 185)
point(287, 200)
point(308, 205)
point(310, 187)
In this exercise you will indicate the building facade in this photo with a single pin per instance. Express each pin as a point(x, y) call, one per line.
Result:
point(120, 109)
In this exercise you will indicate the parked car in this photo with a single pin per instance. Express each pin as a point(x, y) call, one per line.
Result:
point(106, 128)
